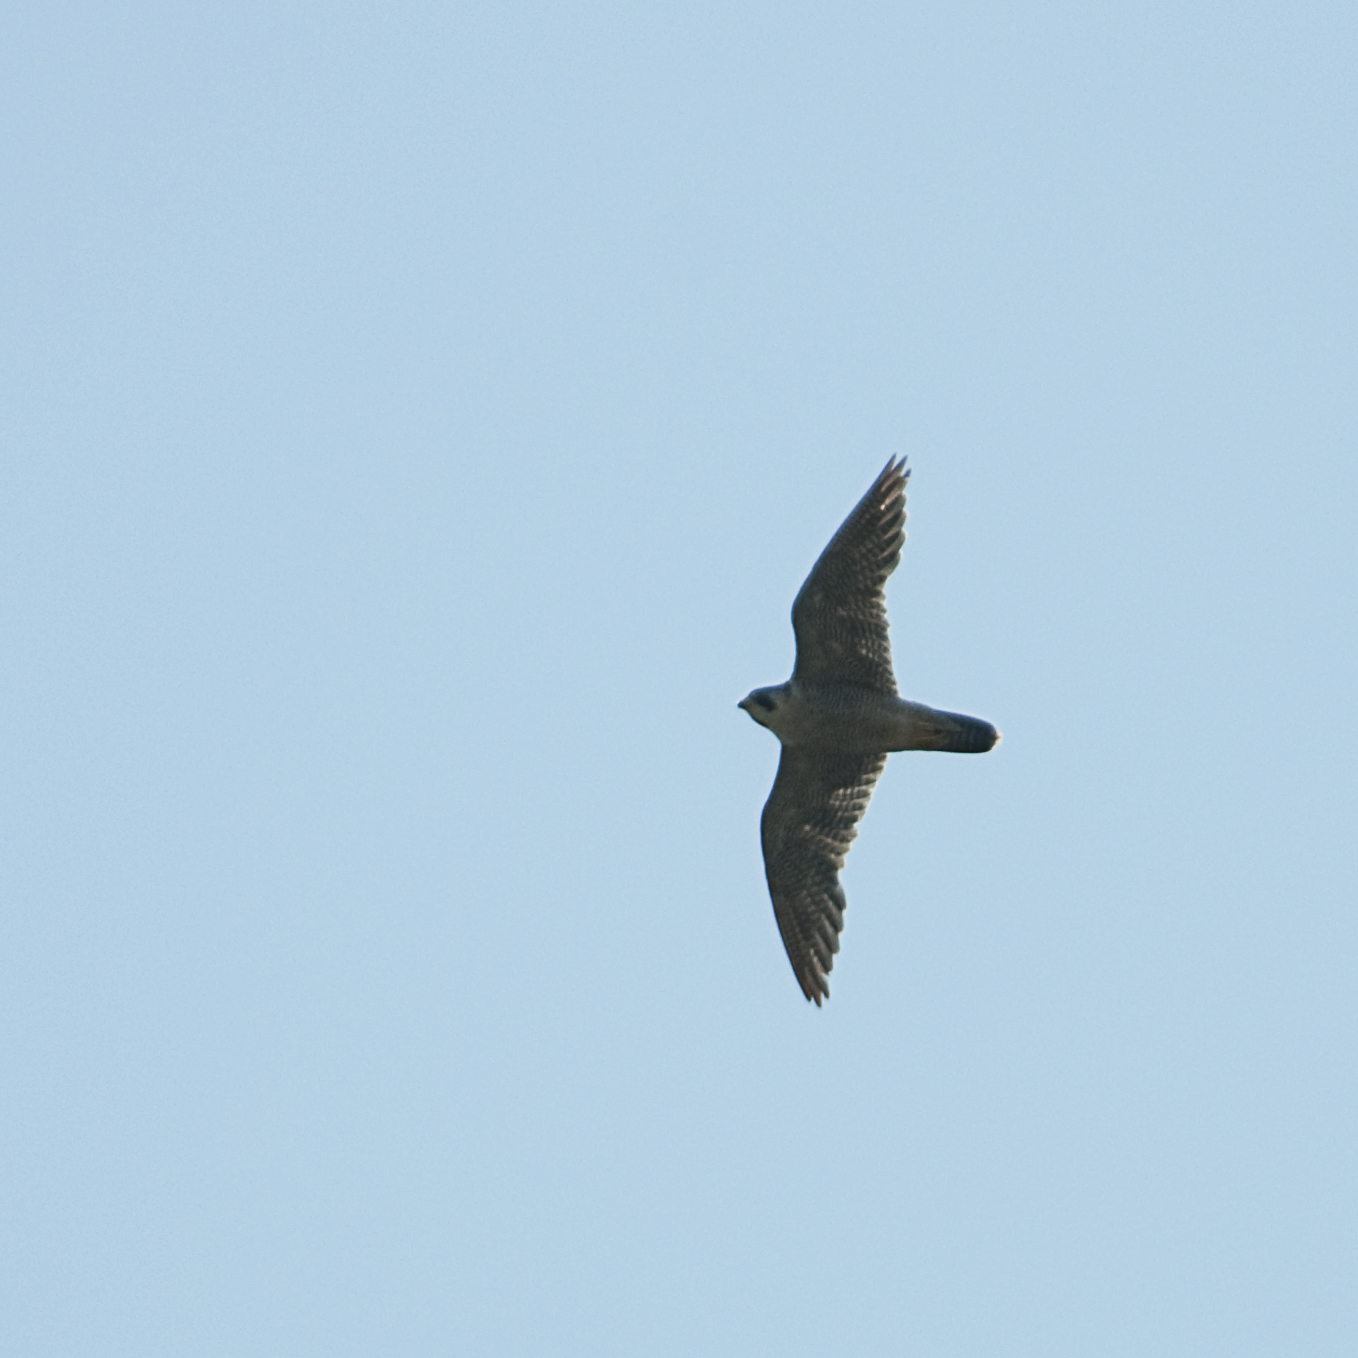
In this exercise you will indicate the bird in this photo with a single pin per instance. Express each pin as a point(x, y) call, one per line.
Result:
point(838, 718)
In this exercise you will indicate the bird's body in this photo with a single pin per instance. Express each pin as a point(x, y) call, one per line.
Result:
point(852, 720)
point(838, 718)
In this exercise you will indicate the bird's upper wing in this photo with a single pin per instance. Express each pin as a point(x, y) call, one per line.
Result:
point(839, 615)
point(809, 821)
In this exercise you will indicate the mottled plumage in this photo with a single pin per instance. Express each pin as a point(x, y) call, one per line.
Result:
point(837, 718)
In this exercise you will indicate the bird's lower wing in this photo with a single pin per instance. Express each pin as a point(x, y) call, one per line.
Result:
point(809, 821)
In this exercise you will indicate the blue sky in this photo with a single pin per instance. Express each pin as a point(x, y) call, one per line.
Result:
point(417, 421)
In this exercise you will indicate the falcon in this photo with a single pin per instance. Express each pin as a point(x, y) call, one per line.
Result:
point(838, 718)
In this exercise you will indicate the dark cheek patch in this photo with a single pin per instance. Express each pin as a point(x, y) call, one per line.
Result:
point(765, 702)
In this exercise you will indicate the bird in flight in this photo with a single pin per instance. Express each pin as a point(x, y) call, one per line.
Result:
point(838, 717)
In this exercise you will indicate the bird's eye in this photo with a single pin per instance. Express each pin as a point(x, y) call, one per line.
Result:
point(764, 701)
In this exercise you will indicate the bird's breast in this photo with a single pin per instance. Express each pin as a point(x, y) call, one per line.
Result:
point(844, 718)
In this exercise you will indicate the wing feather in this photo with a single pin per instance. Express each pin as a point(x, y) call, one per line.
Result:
point(809, 821)
point(839, 614)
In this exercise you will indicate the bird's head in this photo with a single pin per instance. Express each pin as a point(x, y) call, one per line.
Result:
point(763, 704)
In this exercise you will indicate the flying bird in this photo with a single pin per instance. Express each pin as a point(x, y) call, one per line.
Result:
point(838, 718)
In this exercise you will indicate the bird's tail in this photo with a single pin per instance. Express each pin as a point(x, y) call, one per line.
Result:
point(953, 732)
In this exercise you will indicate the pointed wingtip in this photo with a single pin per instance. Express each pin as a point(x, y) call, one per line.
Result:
point(814, 987)
point(811, 980)
point(896, 469)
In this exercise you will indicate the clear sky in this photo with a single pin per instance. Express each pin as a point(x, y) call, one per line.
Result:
point(417, 420)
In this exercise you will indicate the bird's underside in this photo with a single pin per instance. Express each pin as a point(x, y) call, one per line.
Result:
point(837, 718)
